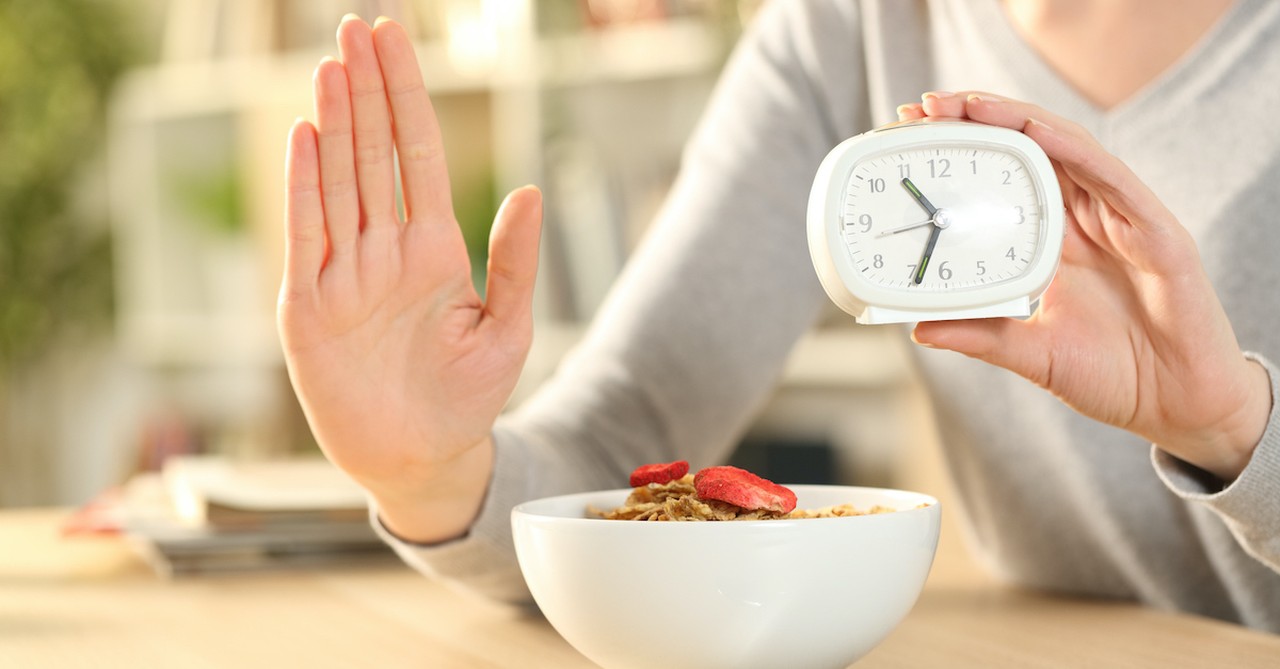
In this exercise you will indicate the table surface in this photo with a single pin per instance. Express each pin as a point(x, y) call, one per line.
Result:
point(91, 602)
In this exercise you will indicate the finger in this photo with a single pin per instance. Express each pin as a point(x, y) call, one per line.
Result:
point(513, 254)
point(1141, 228)
point(1078, 246)
point(1009, 113)
point(910, 112)
point(375, 176)
point(994, 109)
point(964, 104)
point(942, 103)
point(423, 168)
point(304, 248)
point(337, 159)
point(1015, 345)
point(1068, 144)
point(1100, 172)
point(1104, 177)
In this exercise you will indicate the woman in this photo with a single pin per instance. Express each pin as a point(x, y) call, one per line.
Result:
point(1149, 471)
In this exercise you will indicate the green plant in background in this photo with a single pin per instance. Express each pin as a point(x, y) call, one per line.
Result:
point(475, 203)
point(58, 60)
point(217, 199)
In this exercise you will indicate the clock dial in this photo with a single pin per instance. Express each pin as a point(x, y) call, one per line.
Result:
point(935, 221)
point(985, 227)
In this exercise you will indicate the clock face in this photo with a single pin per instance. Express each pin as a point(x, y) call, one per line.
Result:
point(935, 220)
point(986, 227)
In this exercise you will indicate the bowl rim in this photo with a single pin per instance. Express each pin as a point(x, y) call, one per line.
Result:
point(932, 505)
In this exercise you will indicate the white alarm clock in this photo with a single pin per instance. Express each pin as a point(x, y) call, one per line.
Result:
point(936, 220)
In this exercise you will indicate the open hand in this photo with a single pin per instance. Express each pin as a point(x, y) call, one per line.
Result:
point(400, 367)
point(1131, 332)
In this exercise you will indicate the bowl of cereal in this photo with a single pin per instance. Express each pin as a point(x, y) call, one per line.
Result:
point(724, 569)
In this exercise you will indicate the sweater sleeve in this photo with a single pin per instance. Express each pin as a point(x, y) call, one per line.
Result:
point(695, 332)
point(1250, 505)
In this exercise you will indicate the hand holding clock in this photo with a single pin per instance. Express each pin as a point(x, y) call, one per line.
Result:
point(1131, 333)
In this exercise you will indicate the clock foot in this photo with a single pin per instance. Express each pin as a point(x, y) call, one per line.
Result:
point(1017, 308)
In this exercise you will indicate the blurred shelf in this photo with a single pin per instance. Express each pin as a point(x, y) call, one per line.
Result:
point(675, 48)
point(198, 340)
point(175, 90)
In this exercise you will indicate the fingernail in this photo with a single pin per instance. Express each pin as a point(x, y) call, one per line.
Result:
point(350, 17)
point(327, 59)
point(937, 95)
point(380, 20)
point(979, 98)
point(1031, 121)
point(903, 109)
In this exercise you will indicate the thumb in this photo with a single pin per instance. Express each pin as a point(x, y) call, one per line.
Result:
point(1017, 346)
point(513, 253)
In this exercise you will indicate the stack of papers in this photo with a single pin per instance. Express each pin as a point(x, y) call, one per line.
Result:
point(207, 514)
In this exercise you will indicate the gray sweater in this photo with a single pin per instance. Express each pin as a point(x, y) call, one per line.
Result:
point(693, 336)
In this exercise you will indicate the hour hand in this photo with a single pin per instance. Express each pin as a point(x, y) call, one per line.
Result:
point(919, 197)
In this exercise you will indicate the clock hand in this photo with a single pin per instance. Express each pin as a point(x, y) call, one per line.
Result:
point(909, 226)
point(915, 193)
point(937, 217)
point(928, 253)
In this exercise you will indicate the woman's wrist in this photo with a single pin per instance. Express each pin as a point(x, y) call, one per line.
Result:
point(442, 508)
point(1227, 448)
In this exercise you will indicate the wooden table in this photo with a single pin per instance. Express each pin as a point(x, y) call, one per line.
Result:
point(89, 602)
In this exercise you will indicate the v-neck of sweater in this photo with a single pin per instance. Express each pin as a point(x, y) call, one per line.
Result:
point(1043, 81)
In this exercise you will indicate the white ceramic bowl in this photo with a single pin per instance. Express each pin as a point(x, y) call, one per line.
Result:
point(817, 592)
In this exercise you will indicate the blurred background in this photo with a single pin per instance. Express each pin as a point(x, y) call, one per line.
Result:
point(141, 191)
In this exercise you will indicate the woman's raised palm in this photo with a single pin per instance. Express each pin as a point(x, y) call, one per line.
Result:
point(399, 364)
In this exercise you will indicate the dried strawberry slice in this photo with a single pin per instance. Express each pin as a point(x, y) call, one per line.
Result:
point(662, 472)
point(742, 488)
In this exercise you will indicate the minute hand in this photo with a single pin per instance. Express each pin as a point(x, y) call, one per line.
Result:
point(928, 253)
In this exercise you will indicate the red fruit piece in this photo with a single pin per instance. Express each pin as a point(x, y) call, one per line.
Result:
point(742, 488)
point(662, 472)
